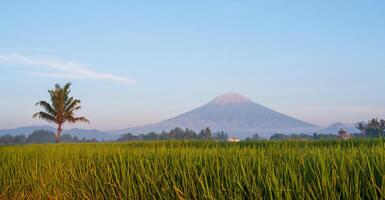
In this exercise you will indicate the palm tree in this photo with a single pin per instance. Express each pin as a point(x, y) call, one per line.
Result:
point(61, 109)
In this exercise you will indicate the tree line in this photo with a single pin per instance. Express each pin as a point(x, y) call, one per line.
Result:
point(44, 136)
point(315, 136)
point(372, 128)
point(40, 136)
point(177, 134)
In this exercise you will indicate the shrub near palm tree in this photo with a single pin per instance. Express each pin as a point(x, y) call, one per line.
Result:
point(61, 109)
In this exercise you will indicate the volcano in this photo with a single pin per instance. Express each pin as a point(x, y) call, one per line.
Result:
point(233, 113)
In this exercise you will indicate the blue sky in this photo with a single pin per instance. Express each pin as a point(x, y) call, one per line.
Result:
point(137, 62)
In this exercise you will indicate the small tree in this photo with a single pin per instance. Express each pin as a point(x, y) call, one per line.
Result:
point(256, 137)
point(208, 133)
point(382, 124)
point(205, 134)
point(362, 127)
point(374, 128)
point(61, 109)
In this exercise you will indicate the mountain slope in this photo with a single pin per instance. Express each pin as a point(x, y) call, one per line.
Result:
point(90, 133)
point(234, 114)
point(25, 130)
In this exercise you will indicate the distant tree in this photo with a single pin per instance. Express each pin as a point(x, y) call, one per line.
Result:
point(374, 128)
point(362, 127)
point(6, 139)
point(127, 137)
point(38, 136)
point(201, 134)
point(41, 136)
point(382, 124)
point(323, 136)
point(150, 136)
point(300, 136)
point(19, 139)
point(61, 109)
point(278, 136)
point(205, 134)
point(9, 139)
point(208, 132)
point(256, 137)
point(75, 139)
point(163, 135)
point(189, 134)
point(66, 138)
point(221, 136)
point(93, 140)
point(176, 133)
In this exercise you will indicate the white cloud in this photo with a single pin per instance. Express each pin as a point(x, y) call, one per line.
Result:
point(62, 69)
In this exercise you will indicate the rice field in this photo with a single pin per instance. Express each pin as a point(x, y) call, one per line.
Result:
point(195, 170)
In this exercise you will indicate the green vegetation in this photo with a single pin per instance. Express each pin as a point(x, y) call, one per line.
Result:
point(176, 134)
point(374, 128)
point(61, 109)
point(38, 137)
point(331, 169)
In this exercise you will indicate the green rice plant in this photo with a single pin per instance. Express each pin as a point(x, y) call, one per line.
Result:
point(195, 170)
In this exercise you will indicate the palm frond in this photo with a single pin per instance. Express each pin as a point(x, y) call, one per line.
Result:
point(67, 86)
point(72, 105)
point(77, 119)
point(70, 113)
point(45, 116)
point(68, 101)
point(76, 108)
point(47, 107)
point(53, 97)
point(66, 91)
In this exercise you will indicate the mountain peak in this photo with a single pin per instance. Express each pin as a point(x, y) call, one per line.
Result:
point(233, 114)
point(231, 98)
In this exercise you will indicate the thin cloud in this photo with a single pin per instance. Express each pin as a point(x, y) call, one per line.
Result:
point(62, 69)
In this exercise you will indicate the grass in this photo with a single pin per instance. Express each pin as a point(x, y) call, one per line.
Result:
point(195, 170)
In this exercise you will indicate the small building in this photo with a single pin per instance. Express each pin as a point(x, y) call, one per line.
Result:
point(233, 139)
point(344, 135)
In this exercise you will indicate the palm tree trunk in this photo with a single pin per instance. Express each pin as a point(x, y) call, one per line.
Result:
point(57, 136)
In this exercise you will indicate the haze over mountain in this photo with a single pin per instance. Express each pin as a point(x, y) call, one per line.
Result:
point(234, 114)
point(80, 133)
point(336, 127)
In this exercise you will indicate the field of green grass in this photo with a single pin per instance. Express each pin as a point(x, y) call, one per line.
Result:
point(195, 170)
